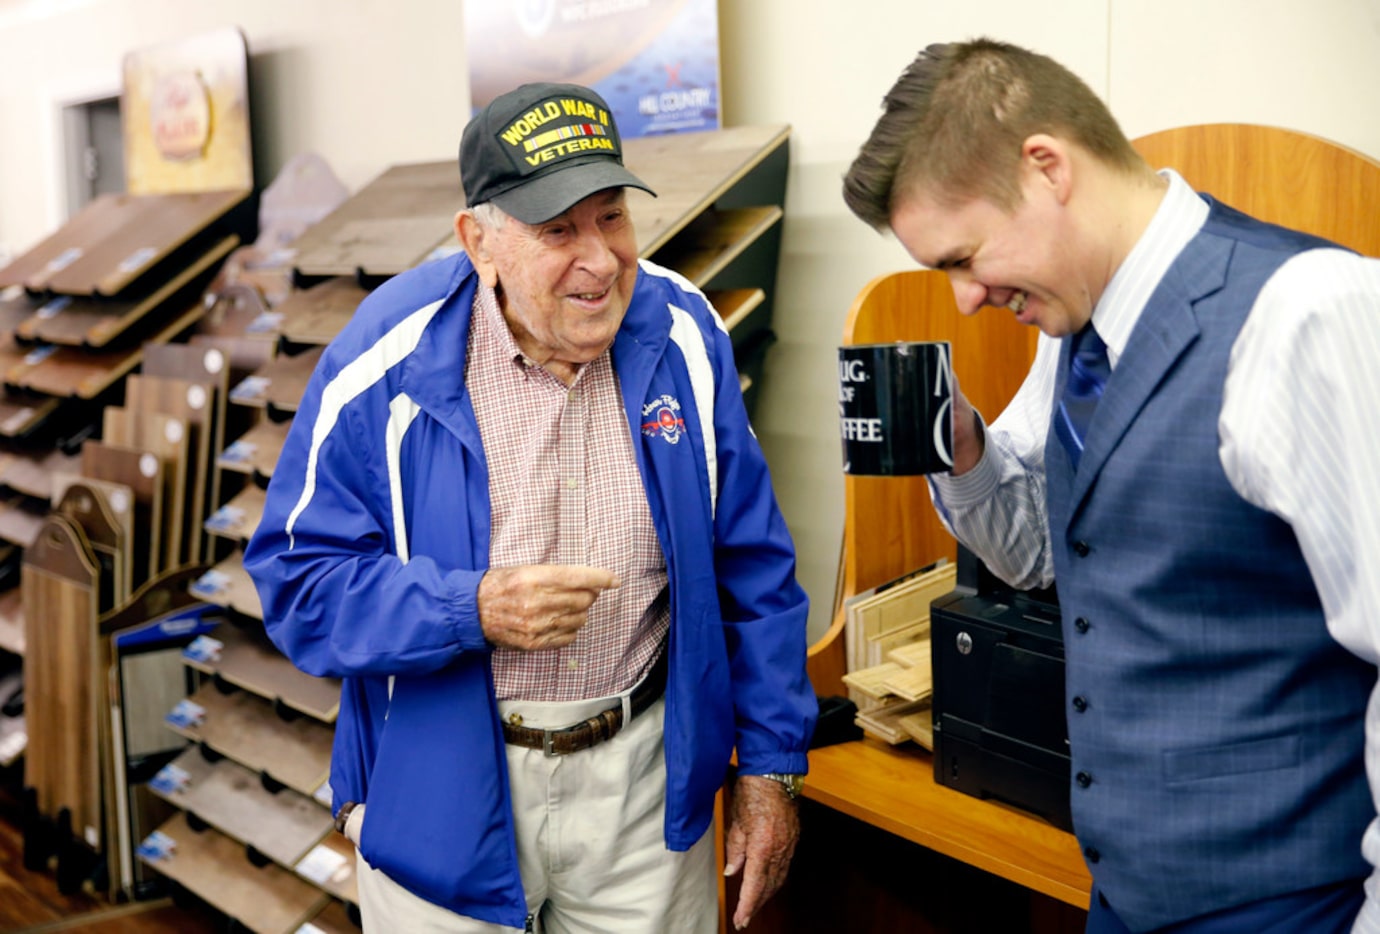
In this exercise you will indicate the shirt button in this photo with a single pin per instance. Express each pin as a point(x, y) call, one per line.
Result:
point(572, 484)
point(1080, 704)
point(1091, 854)
point(1083, 779)
point(1081, 624)
point(1081, 549)
point(572, 664)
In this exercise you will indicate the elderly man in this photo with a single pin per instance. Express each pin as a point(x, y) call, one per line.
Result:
point(522, 515)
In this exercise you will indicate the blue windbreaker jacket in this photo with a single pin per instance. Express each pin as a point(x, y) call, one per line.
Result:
point(376, 533)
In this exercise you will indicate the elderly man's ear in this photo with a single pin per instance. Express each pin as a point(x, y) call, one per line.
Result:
point(472, 236)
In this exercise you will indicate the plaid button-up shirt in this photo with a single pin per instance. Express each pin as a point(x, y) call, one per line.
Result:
point(565, 489)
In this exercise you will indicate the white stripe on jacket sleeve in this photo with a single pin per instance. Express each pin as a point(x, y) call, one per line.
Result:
point(401, 411)
point(352, 381)
point(686, 335)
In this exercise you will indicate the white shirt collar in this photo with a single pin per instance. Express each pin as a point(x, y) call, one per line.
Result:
point(1177, 220)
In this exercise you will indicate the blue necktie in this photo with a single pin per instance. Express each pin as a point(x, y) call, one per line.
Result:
point(1088, 372)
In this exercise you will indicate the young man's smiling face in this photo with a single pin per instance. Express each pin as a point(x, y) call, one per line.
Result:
point(1024, 259)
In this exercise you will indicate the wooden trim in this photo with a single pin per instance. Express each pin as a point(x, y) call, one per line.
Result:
point(894, 788)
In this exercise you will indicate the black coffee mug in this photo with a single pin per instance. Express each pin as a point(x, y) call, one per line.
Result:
point(896, 408)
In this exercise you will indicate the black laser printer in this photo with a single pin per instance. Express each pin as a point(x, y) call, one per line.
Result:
point(1000, 730)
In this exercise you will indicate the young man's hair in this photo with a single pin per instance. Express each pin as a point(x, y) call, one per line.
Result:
point(955, 122)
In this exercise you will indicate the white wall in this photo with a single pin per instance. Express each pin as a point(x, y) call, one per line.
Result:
point(368, 83)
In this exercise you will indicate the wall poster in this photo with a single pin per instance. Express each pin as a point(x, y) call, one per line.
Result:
point(656, 62)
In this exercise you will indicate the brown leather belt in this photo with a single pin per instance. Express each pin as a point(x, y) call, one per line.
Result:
point(598, 728)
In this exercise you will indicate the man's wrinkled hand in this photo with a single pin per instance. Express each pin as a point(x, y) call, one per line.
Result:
point(762, 832)
point(539, 606)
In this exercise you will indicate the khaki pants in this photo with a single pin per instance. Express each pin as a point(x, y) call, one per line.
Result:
point(591, 848)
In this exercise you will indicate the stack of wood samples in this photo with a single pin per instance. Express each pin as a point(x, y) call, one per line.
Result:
point(887, 655)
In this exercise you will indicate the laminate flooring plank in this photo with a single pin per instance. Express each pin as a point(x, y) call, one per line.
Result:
point(23, 413)
point(209, 369)
point(12, 621)
point(228, 584)
point(16, 307)
point(238, 518)
point(734, 305)
point(244, 727)
point(689, 172)
point(331, 865)
point(90, 322)
point(231, 798)
point(101, 218)
point(155, 226)
point(279, 383)
point(166, 437)
point(239, 310)
point(192, 404)
point(256, 451)
point(105, 512)
point(30, 470)
point(333, 919)
point(21, 518)
point(242, 354)
point(85, 374)
point(316, 315)
point(254, 664)
point(714, 239)
point(141, 471)
point(14, 734)
point(389, 225)
point(267, 900)
point(60, 677)
point(14, 354)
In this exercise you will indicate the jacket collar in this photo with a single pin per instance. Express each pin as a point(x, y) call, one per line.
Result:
point(433, 375)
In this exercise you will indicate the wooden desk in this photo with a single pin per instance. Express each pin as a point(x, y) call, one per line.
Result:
point(893, 788)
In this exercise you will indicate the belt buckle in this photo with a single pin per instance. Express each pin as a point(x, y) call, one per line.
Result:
point(547, 748)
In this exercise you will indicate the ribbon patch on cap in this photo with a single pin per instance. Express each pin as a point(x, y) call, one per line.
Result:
point(558, 129)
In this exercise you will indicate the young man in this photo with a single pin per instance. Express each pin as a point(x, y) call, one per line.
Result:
point(522, 515)
point(1190, 459)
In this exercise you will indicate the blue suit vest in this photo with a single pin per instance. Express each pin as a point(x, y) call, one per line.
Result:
point(1216, 729)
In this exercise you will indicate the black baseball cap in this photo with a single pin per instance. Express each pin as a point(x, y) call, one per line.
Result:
point(539, 149)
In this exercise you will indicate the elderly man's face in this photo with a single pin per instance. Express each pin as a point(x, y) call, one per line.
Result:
point(564, 284)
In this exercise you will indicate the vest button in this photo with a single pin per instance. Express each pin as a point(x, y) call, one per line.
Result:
point(1091, 854)
point(1081, 624)
point(1080, 704)
point(1083, 779)
point(1081, 549)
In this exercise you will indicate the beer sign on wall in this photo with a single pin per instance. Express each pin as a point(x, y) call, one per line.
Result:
point(656, 62)
point(184, 114)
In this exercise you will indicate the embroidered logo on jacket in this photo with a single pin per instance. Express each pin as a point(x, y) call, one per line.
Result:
point(662, 417)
